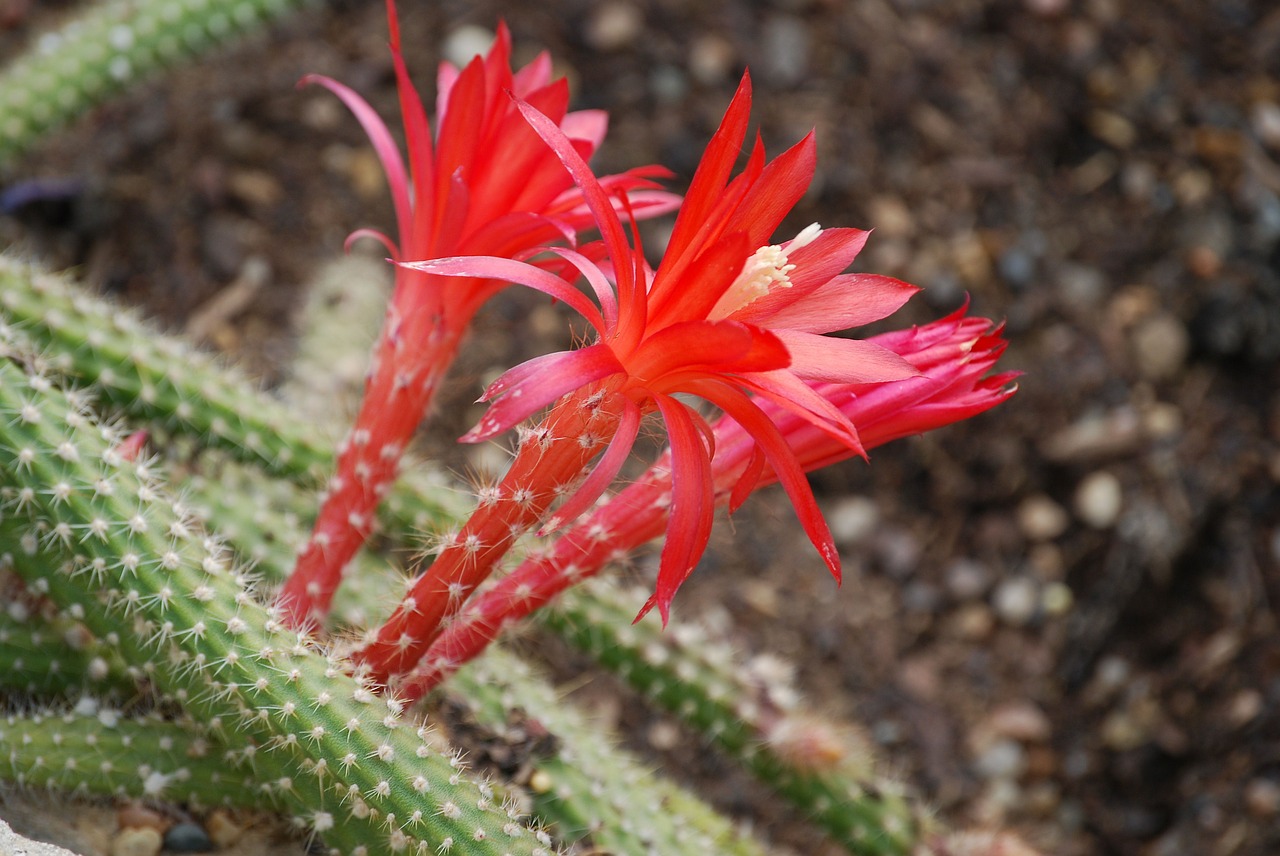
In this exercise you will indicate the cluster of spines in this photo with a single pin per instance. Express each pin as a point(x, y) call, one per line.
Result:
point(108, 47)
point(102, 540)
point(750, 715)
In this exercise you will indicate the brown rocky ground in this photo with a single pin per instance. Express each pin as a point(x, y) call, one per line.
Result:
point(1060, 616)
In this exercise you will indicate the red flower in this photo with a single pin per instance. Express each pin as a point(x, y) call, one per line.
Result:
point(485, 185)
point(725, 318)
point(953, 356)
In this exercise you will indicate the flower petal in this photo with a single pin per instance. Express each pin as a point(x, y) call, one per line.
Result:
point(383, 146)
point(837, 360)
point(846, 301)
point(532, 385)
point(692, 506)
point(520, 273)
point(699, 347)
point(604, 473)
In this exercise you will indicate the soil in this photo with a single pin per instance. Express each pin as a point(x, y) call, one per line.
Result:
point(1059, 617)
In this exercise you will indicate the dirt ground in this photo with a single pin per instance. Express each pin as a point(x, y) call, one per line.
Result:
point(1060, 616)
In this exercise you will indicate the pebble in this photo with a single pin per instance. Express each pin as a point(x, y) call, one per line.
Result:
point(784, 55)
point(1266, 123)
point(966, 579)
point(973, 622)
point(223, 829)
point(136, 841)
point(1003, 759)
point(1020, 720)
point(133, 815)
point(187, 838)
point(1017, 600)
point(1262, 798)
point(1041, 519)
point(1160, 345)
point(614, 26)
point(711, 59)
point(852, 520)
point(465, 43)
point(1099, 499)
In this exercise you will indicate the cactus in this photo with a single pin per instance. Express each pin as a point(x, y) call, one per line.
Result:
point(259, 516)
point(108, 47)
point(101, 537)
point(95, 750)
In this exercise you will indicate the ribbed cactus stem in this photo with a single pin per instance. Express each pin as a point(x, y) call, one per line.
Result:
point(748, 715)
point(48, 657)
point(103, 538)
point(95, 750)
point(162, 379)
point(108, 47)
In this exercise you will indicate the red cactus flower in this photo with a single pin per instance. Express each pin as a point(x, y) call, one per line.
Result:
point(485, 185)
point(953, 356)
point(723, 318)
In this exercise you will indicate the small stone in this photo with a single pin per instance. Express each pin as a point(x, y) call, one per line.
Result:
point(614, 26)
point(134, 815)
point(223, 829)
point(711, 58)
point(1099, 499)
point(1017, 600)
point(1057, 599)
point(966, 579)
point(973, 622)
point(466, 43)
point(1041, 519)
point(1160, 345)
point(1266, 123)
point(1021, 721)
point(187, 838)
point(853, 520)
point(136, 841)
point(1244, 707)
point(664, 735)
point(784, 56)
point(1003, 759)
point(1262, 798)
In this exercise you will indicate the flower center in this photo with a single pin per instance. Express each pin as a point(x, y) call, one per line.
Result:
point(764, 272)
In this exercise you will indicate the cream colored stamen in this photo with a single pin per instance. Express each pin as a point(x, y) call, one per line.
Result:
point(764, 272)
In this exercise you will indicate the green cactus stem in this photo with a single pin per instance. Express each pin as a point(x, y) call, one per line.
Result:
point(748, 714)
point(108, 47)
point(95, 750)
point(103, 538)
point(55, 657)
point(161, 380)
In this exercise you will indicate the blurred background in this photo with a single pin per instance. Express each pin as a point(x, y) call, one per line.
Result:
point(1059, 617)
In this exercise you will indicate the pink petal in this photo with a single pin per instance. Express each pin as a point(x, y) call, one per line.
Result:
point(587, 125)
point(692, 506)
point(532, 385)
point(785, 467)
point(520, 273)
point(604, 473)
point(830, 358)
point(700, 347)
point(846, 301)
point(383, 146)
